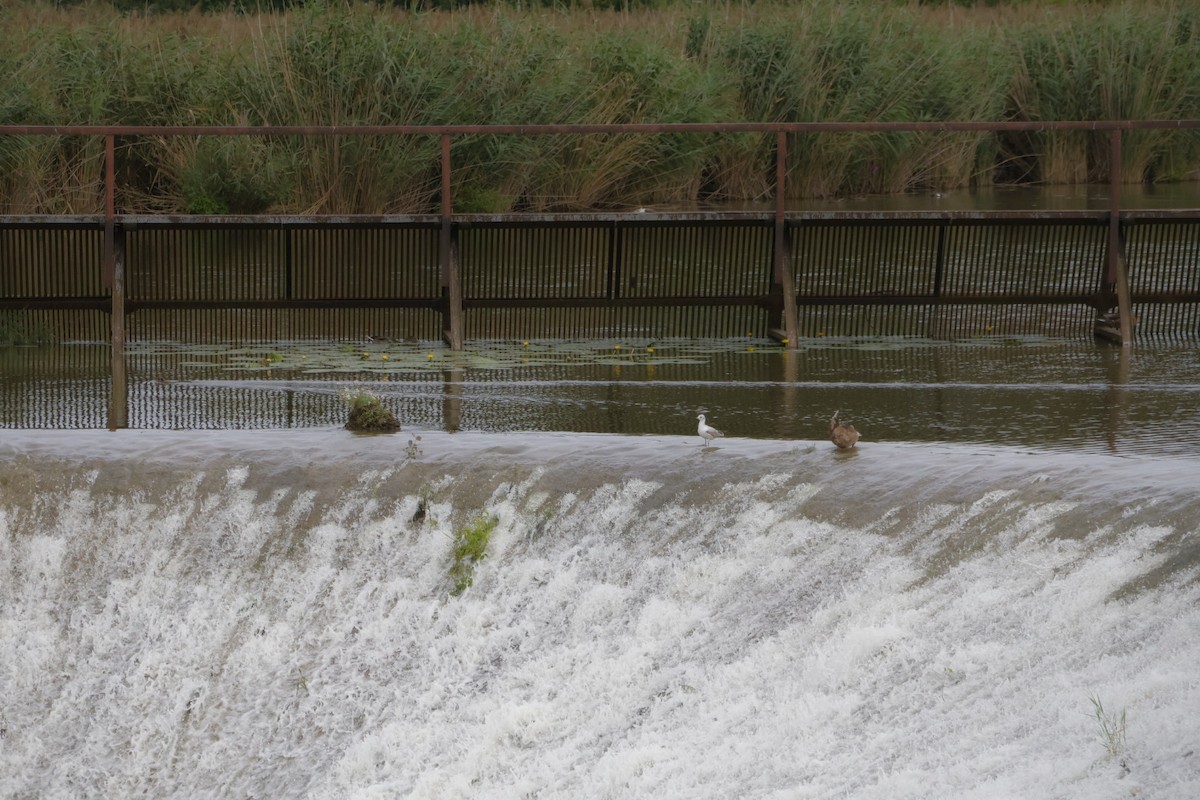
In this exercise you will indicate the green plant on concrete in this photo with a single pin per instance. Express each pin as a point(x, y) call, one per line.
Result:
point(368, 414)
point(425, 497)
point(413, 448)
point(470, 547)
point(1112, 728)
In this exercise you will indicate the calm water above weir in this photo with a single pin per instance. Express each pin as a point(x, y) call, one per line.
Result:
point(980, 387)
point(1029, 392)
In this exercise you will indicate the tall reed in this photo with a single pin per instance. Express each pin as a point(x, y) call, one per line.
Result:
point(329, 64)
point(861, 63)
point(1150, 73)
point(1127, 62)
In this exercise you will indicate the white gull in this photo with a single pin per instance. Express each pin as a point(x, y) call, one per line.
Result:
point(707, 432)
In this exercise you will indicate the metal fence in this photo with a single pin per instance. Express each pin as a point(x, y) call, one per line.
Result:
point(788, 274)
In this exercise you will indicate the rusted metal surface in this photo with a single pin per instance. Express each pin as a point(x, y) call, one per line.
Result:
point(1173, 247)
point(517, 262)
point(114, 279)
point(1163, 255)
point(1114, 290)
point(618, 261)
point(55, 262)
point(452, 292)
point(463, 221)
point(250, 304)
point(678, 301)
point(626, 266)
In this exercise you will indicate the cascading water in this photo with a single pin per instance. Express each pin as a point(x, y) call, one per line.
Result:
point(274, 614)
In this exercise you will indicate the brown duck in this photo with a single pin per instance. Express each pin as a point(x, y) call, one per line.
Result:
point(842, 433)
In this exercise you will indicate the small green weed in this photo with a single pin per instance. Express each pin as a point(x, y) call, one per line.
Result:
point(413, 448)
point(422, 505)
point(1112, 728)
point(470, 547)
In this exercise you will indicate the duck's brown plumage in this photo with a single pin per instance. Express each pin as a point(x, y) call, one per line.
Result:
point(842, 433)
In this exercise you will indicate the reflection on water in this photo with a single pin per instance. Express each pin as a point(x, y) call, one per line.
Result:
point(1030, 392)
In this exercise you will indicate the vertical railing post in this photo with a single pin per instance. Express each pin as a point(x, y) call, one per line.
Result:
point(615, 245)
point(939, 268)
point(1116, 277)
point(452, 312)
point(782, 269)
point(939, 276)
point(289, 267)
point(114, 276)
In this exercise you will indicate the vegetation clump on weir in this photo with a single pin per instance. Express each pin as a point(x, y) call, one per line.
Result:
point(825, 60)
point(368, 414)
point(470, 547)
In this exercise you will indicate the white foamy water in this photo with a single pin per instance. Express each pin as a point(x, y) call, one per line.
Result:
point(273, 615)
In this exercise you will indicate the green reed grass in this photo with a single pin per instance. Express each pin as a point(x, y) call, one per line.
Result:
point(1111, 727)
point(822, 60)
point(1131, 62)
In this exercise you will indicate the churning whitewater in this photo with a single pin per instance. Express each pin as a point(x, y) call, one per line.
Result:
point(292, 614)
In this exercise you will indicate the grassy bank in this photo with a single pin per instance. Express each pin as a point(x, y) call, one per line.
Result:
point(823, 60)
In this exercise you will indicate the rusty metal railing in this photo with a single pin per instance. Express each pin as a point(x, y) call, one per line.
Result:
point(781, 297)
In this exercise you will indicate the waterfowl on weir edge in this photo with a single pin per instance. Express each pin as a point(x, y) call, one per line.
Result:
point(841, 432)
point(706, 431)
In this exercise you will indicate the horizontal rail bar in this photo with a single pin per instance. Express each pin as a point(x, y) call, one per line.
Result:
point(943, 300)
point(298, 303)
point(640, 277)
point(598, 218)
point(663, 301)
point(967, 216)
point(56, 303)
point(614, 128)
point(135, 221)
point(760, 301)
point(987, 299)
point(1165, 297)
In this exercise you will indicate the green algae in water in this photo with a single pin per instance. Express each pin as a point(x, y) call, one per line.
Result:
point(395, 358)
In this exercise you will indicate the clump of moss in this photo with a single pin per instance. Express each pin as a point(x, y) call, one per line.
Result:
point(368, 414)
point(470, 547)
